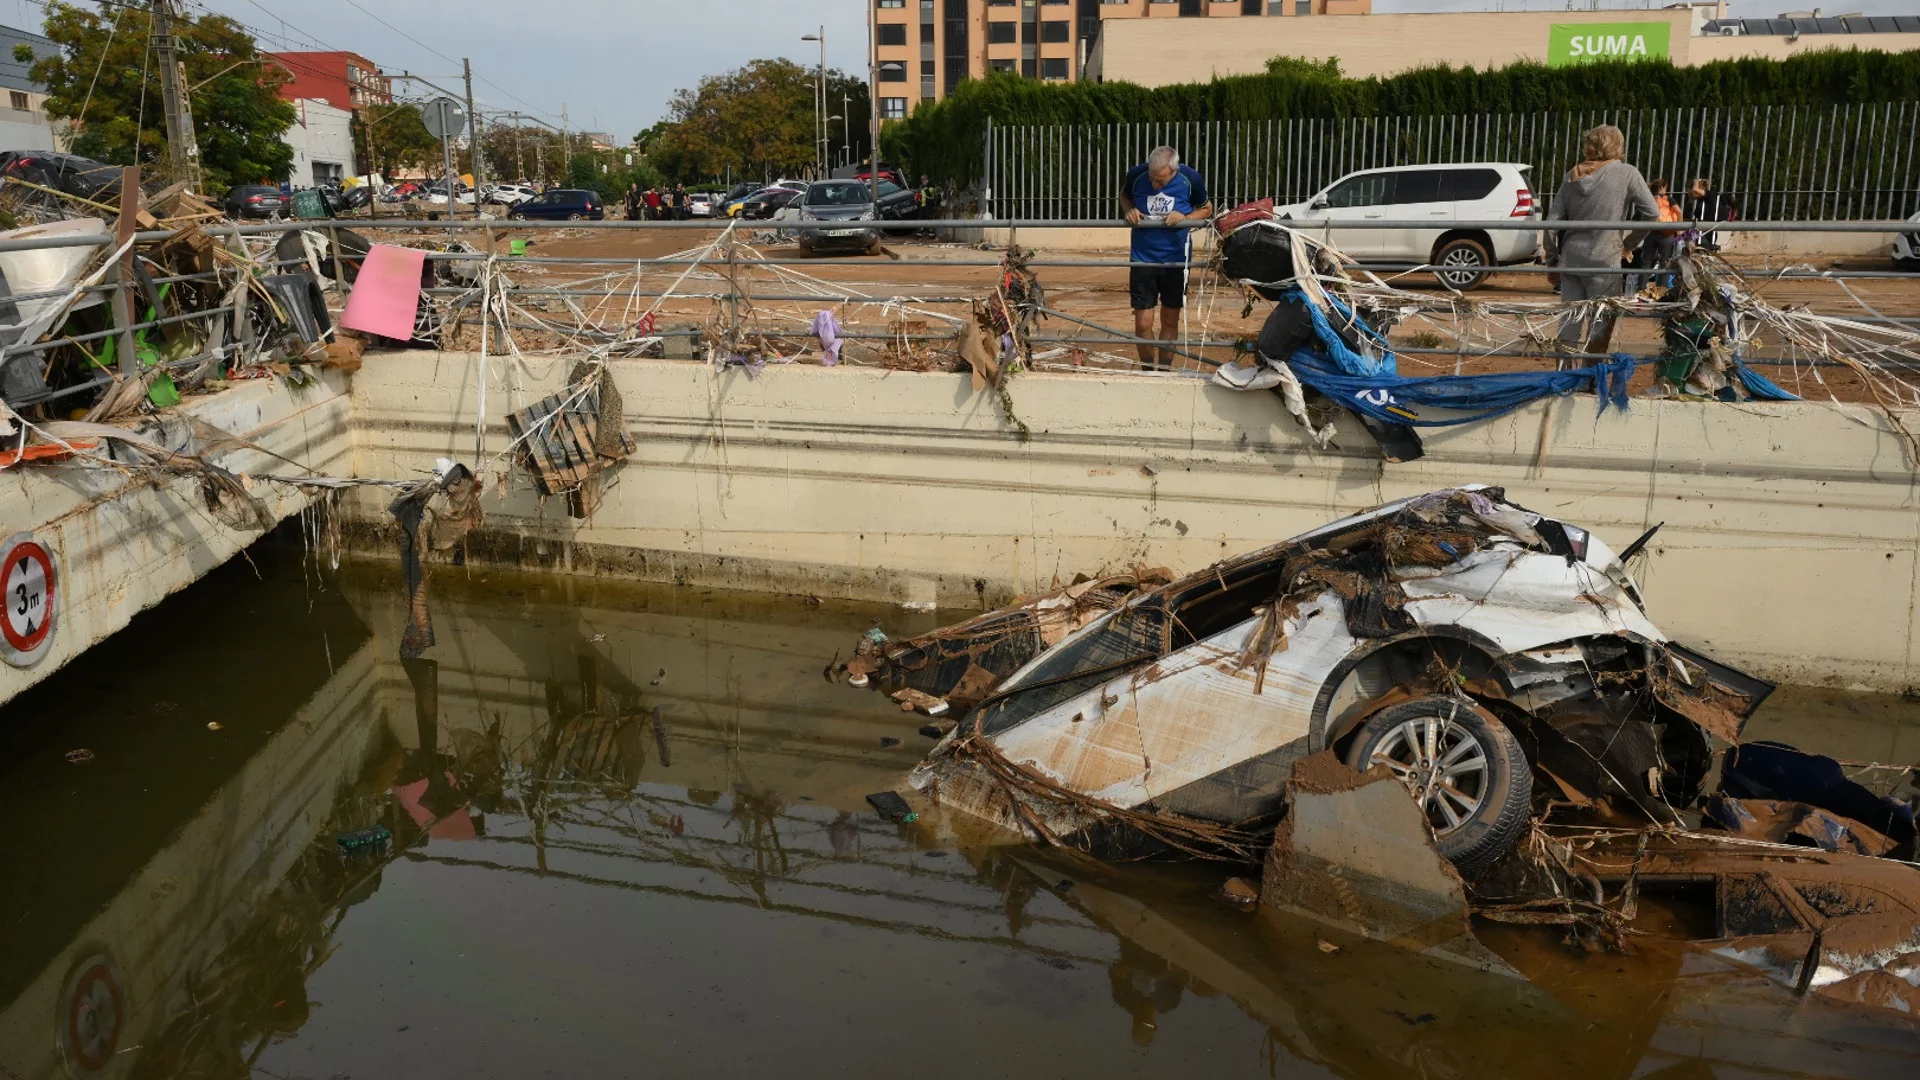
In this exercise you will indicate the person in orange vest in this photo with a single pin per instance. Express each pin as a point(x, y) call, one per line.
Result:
point(1661, 245)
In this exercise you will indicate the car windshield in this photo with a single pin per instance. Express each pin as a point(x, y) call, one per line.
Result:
point(888, 187)
point(836, 195)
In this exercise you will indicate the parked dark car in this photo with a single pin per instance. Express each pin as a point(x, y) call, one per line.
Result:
point(839, 201)
point(762, 205)
point(256, 201)
point(71, 173)
point(896, 202)
point(569, 204)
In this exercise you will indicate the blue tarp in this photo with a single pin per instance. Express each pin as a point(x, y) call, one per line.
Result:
point(1373, 385)
point(1394, 398)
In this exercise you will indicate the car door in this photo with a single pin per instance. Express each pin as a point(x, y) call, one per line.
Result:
point(1416, 195)
point(1357, 198)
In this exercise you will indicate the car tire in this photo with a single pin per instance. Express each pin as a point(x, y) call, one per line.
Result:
point(1466, 263)
point(573, 217)
point(806, 249)
point(1474, 823)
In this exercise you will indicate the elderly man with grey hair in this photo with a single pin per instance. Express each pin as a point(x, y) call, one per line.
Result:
point(1161, 192)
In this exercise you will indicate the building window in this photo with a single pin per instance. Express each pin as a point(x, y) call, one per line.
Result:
point(891, 33)
point(1029, 67)
point(926, 69)
point(893, 108)
point(1303, 7)
point(1056, 31)
point(1002, 33)
point(999, 3)
point(1000, 65)
point(18, 99)
point(1051, 68)
point(893, 71)
point(891, 3)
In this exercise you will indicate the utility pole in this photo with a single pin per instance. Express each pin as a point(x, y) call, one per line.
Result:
point(566, 148)
point(873, 110)
point(473, 136)
point(183, 149)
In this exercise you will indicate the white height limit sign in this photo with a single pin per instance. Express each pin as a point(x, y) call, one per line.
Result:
point(26, 568)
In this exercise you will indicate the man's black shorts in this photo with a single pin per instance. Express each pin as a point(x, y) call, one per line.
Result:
point(1157, 286)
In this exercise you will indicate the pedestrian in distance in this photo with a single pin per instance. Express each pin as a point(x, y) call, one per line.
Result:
point(680, 204)
point(652, 198)
point(635, 205)
point(1661, 245)
point(1603, 187)
point(1705, 203)
point(1161, 199)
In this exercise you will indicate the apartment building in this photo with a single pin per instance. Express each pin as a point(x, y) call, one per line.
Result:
point(925, 48)
point(24, 124)
point(344, 80)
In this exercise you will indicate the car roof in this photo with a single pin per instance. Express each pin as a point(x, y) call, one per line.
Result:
point(1444, 165)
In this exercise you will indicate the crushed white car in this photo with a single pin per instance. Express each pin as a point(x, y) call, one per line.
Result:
point(1487, 655)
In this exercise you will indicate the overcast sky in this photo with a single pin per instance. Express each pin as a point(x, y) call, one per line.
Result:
point(614, 63)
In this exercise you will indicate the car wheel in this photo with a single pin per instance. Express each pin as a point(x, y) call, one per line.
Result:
point(573, 217)
point(806, 249)
point(1463, 767)
point(1463, 263)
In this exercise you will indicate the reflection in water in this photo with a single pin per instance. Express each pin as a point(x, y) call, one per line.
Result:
point(628, 837)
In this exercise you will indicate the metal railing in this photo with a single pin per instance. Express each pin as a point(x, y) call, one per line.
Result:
point(1838, 162)
point(226, 319)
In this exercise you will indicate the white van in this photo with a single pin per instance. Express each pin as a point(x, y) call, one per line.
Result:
point(1453, 197)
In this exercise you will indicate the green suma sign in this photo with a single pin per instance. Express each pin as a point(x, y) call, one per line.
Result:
point(1582, 43)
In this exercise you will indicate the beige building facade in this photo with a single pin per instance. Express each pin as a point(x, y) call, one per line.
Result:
point(925, 48)
point(1194, 50)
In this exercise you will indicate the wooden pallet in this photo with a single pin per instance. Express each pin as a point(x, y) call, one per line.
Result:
point(557, 441)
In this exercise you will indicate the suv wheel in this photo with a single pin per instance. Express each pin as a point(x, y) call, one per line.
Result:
point(1464, 263)
point(573, 217)
point(1463, 767)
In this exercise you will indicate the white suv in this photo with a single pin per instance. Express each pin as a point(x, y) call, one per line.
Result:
point(1906, 248)
point(1454, 197)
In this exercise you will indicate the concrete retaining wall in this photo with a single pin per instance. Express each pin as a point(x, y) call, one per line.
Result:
point(121, 545)
point(1792, 538)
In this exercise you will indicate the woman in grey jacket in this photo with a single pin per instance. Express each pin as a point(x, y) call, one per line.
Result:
point(1603, 187)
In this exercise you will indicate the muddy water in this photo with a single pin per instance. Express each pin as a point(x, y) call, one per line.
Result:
point(573, 889)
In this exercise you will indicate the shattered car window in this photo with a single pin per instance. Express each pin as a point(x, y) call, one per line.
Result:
point(1749, 906)
point(1132, 636)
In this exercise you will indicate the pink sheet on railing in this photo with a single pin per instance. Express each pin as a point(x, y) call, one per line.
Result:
point(386, 295)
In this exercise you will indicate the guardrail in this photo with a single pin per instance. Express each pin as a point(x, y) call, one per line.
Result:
point(709, 228)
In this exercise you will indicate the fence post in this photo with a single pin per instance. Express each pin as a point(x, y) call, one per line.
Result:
point(123, 307)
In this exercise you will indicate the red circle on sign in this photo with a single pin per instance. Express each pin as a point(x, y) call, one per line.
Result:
point(96, 1011)
point(34, 621)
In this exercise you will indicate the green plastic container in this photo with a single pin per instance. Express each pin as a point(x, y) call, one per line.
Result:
point(516, 247)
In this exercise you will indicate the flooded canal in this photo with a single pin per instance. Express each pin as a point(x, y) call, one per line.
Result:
point(627, 836)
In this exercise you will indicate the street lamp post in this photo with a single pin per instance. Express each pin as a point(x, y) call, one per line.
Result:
point(819, 102)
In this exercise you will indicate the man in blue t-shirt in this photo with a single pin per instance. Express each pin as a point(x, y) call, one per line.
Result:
point(1161, 191)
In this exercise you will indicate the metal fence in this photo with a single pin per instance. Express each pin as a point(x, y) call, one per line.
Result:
point(1782, 163)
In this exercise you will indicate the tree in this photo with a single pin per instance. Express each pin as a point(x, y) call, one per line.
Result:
point(756, 119)
point(393, 137)
point(104, 82)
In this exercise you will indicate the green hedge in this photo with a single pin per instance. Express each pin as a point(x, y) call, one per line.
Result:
point(943, 138)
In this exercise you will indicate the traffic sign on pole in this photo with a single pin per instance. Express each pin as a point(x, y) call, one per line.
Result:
point(444, 117)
